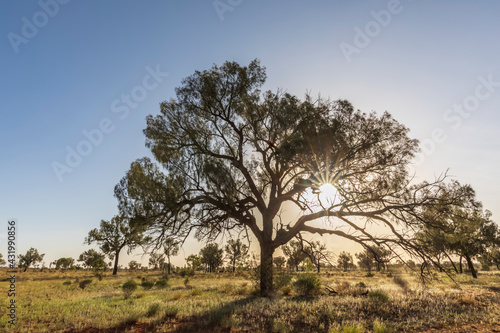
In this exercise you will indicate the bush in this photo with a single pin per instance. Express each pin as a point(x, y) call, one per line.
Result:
point(153, 310)
point(186, 272)
point(281, 279)
point(171, 312)
point(369, 275)
point(84, 283)
point(162, 283)
point(66, 283)
point(361, 285)
point(307, 284)
point(147, 284)
point(399, 281)
point(378, 296)
point(129, 287)
point(286, 290)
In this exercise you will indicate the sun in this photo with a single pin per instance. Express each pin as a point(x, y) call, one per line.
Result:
point(325, 196)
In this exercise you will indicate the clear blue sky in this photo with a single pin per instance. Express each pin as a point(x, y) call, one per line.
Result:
point(67, 68)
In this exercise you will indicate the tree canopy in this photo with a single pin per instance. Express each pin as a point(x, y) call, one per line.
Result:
point(32, 257)
point(114, 235)
point(229, 157)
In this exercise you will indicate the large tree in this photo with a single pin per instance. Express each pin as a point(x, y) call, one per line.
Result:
point(32, 257)
point(229, 157)
point(114, 235)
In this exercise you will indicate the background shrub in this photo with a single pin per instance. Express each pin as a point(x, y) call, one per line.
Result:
point(307, 284)
point(129, 287)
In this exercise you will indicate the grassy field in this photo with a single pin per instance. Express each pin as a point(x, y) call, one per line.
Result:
point(54, 302)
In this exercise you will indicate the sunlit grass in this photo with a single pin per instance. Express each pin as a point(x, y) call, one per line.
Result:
point(45, 304)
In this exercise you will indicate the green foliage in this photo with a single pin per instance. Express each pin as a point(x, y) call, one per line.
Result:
point(147, 284)
point(381, 327)
point(114, 235)
point(281, 279)
point(186, 272)
point(66, 283)
point(153, 310)
point(171, 312)
point(379, 296)
point(212, 256)
point(293, 252)
point(161, 283)
point(361, 284)
point(32, 257)
point(307, 284)
point(129, 287)
point(83, 284)
point(134, 265)
point(64, 263)
point(347, 328)
point(92, 259)
point(2, 261)
point(345, 261)
point(236, 252)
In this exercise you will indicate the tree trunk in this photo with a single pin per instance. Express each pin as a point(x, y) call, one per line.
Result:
point(115, 268)
point(471, 267)
point(234, 265)
point(452, 263)
point(168, 265)
point(461, 270)
point(266, 270)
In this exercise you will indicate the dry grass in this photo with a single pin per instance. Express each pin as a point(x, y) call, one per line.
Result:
point(46, 304)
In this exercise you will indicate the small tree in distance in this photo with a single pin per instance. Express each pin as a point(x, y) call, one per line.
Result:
point(193, 261)
point(156, 260)
point(171, 249)
point(345, 261)
point(93, 259)
point(32, 257)
point(115, 235)
point(236, 251)
point(134, 265)
point(64, 263)
point(2, 261)
point(212, 256)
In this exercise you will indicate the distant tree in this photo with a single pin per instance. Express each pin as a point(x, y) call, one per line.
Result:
point(32, 257)
point(279, 262)
point(212, 256)
point(463, 226)
point(366, 260)
point(171, 249)
point(193, 261)
point(316, 252)
point(293, 252)
point(93, 259)
point(134, 265)
point(345, 261)
point(2, 261)
point(115, 235)
point(64, 263)
point(156, 260)
point(236, 251)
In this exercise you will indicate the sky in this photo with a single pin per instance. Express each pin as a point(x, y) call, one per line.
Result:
point(78, 79)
